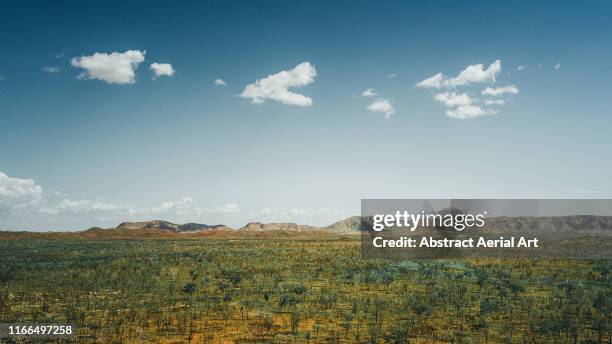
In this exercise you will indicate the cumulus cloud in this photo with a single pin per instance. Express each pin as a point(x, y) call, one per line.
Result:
point(82, 213)
point(451, 99)
point(462, 105)
point(161, 69)
point(25, 206)
point(476, 74)
point(113, 68)
point(229, 208)
point(181, 204)
point(519, 68)
point(494, 101)
point(557, 66)
point(436, 81)
point(67, 205)
point(472, 74)
point(18, 192)
point(370, 92)
point(391, 76)
point(379, 105)
point(51, 69)
point(276, 86)
point(382, 105)
point(469, 111)
point(498, 91)
point(220, 82)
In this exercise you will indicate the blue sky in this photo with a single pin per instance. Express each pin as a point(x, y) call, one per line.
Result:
point(93, 150)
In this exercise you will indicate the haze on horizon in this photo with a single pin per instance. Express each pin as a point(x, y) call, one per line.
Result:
point(232, 112)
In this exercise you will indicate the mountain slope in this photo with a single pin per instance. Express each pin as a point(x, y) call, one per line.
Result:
point(165, 225)
point(283, 226)
point(581, 224)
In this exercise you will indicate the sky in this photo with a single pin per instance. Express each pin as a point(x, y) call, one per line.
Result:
point(237, 111)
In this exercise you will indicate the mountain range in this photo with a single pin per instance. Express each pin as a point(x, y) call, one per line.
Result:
point(352, 225)
point(579, 223)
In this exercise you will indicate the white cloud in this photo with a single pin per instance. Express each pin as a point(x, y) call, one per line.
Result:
point(220, 82)
point(382, 105)
point(557, 66)
point(229, 208)
point(519, 68)
point(469, 111)
point(476, 74)
point(113, 68)
point(472, 74)
point(370, 92)
point(78, 206)
point(184, 202)
point(435, 81)
point(451, 99)
point(391, 76)
point(276, 86)
point(494, 101)
point(162, 69)
point(17, 192)
point(462, 105)
point(51, 69)
point(498, 91)
point(25, 206)
point(100, 211)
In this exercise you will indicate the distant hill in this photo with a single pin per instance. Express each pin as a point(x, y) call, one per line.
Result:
point(551, 224)
point(585, 224)
point(258, 226)
point(351, 224)
point(165, 225)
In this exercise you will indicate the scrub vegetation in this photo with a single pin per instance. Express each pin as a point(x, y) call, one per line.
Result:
point(296, 291)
